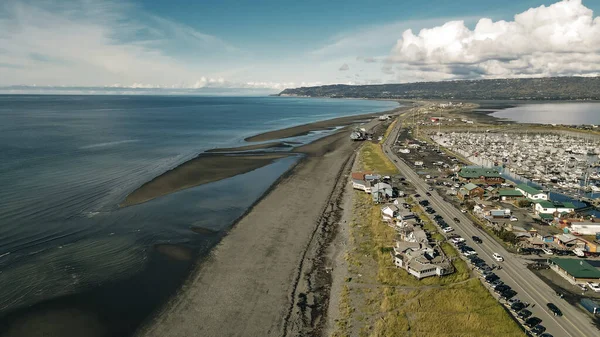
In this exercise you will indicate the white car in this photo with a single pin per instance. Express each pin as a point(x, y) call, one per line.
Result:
point(448, 229)
point(457, 240)
point(463, 210)
point(594, 286)
point(547, 251)
point(497, 257)
point(514, 218)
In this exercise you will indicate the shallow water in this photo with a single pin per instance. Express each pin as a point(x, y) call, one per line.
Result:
point(553, 113)
point(67, 161)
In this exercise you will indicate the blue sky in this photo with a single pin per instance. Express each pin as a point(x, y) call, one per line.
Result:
point(277, 44)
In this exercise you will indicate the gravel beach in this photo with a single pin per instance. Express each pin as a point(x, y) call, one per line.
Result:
point(256, 282)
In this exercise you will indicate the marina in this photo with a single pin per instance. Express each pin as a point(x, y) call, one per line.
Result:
point(563, 164)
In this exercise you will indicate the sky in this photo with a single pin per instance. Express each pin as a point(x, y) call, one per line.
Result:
point(272, 45)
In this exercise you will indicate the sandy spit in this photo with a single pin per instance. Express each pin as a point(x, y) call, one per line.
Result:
point(252, 282)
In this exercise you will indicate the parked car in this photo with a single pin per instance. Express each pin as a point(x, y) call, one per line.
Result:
point(582, 286)
point(448, 229)
point(532, 321)
point(594, 286)
point(457, 239)
point(555, 310)
point(524, 313)
point(548, 251)
point(463, 210)
point(496, 284)
point(476, 239)
point(514, 218)
point(538, 329)
point(545, 334)
point(508, 294)
point(513, 301)
point(501, 288)
point(518, 306)
point(497, 257)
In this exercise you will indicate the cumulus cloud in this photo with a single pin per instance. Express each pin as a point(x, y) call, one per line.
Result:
point(344, 67)
point(555, 40)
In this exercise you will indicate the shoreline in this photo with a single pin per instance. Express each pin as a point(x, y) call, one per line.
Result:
point(252, 280)
point(222, 163)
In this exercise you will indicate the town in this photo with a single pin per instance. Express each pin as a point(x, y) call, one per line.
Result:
point(541, 212)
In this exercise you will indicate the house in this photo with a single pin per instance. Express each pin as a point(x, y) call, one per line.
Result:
point(389, 212)
point(499, 213)
point(575, 270)
point(363, 180)
point(470, 191)
point(509, 194)
point(480, 175)
point(531, 193)
point(552, 207)
point(381, 192)
point(414, 254)
point(568, 241)
point(421, 260)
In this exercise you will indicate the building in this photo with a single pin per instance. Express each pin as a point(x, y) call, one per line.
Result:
point(382, 192)
point(552, 207)
point(575, 270)
point(362, 180)
point(389, 212)
point(420, 259)
point(470, 191)
point(480, 175)
point(585, 228)
point(531, 193)
point(509, 194)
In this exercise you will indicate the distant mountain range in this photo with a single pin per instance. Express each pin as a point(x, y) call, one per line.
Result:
point(550, 88)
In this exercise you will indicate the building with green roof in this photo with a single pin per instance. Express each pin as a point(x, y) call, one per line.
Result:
point(480, 175)
point(531, 193)
point(509, 194)
point(575, 270)
point(551, 207)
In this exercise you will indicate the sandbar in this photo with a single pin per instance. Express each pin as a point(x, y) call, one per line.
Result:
point(203, 169)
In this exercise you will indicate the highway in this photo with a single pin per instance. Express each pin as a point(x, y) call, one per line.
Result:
point(573, 323)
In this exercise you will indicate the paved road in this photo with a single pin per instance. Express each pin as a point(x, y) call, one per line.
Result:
point(514, 272)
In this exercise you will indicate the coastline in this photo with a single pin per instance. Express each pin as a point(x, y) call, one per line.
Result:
point(251, 282)
point(222, 163)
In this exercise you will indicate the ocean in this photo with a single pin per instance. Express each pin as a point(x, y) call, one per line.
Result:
point(553, 113)
point(69, 256)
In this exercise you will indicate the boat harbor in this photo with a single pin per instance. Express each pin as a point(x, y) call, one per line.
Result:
point(562, 164)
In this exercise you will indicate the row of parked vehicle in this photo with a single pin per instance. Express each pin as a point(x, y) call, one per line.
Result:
point(446, 228)
point(504, 291)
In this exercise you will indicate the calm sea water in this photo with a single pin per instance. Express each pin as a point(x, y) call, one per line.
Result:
point(67, 161)
point(553, 113)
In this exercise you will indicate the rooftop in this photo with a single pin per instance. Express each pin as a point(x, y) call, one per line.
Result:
point(476, 172)
point(577, 268)
point(470, 186)
point(509, 193)
point(528, 189)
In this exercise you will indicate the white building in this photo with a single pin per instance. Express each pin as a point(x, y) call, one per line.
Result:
point(389, 212)
point(548, 207)
point(531, 193)
point(585, 227)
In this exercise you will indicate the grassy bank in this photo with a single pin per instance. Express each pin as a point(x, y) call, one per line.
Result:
point(387, 301)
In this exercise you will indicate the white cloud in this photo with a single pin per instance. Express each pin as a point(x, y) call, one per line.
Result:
point(344, 67)
point(560, 39)
point(85, 43)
